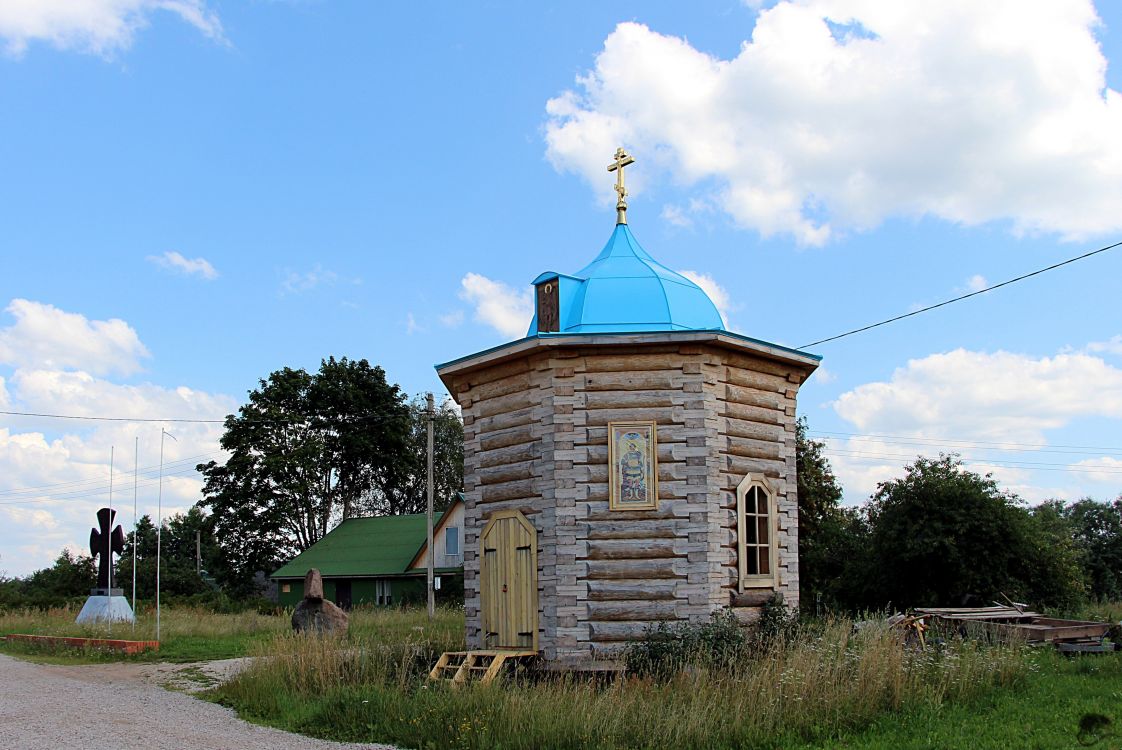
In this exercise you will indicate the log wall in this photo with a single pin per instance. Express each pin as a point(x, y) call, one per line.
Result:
point(535, 439)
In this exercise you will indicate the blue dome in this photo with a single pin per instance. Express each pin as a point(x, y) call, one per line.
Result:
point(625, 290)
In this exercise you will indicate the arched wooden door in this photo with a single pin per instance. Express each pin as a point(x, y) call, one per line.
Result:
point(508, 582)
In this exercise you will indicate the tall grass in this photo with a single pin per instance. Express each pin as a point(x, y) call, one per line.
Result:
point(816, 685)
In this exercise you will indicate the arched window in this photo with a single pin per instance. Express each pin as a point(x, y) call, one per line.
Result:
point(755, 533)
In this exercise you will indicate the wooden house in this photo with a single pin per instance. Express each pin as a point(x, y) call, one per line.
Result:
point(628, 462)
point(380, 560)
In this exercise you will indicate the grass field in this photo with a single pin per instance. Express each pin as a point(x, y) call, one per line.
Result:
point(191, 634)
point(823, 685)
point(827, 688)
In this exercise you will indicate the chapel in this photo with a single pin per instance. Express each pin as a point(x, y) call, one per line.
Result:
point(628, 462)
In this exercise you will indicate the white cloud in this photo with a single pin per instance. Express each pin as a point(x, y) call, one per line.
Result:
point(101, 27)
point(45, 337)
point(296, 282)
point(173, 261)
point(715, 292)
point(506, 310)
point(54, 473)
point(988, 406)
point(982, 396)
point(824, 376)
point(411, 325)
point(976, 283)
point(838, 114)
point(1111, 346)
point(1102, 469)
point(676, 216)
point(453, 319)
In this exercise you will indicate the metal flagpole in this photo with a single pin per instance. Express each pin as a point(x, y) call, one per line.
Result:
point(109, 543)
point(428, 525)
point(135, 527)
point(160, 524)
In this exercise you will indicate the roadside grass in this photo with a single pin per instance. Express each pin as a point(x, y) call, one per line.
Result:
point(823, 683)
point(1067, 702)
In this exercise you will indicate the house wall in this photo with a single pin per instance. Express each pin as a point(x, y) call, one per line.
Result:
point(440, 542)
point(535, 439)
point(403, 589)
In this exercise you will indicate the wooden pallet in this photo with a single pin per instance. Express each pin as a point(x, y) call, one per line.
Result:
point(459, 667)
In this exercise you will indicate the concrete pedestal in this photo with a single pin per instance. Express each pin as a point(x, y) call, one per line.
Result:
point(105, 605)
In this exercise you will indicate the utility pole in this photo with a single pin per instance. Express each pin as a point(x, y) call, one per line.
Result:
point(198, 553)
point(431, 412)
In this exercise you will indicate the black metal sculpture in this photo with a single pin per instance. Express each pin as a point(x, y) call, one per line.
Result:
point(104, 544)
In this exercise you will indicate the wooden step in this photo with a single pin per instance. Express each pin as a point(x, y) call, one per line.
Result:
point(484, 665)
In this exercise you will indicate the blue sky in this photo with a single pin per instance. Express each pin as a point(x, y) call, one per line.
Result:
point(193, 194)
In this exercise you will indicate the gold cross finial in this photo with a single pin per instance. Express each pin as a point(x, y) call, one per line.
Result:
point(622, 160)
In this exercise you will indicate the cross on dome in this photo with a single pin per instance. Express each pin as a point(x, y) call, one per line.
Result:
point(622, 159)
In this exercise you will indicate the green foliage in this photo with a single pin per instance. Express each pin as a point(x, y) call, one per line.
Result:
point(1097, 531)
point(69, 579)
point(941, 534)
point(306, 451)
point(179, 580)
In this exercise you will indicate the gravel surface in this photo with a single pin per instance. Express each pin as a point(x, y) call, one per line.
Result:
point(48, 707)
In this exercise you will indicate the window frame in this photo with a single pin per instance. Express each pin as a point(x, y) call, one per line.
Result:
point(764, 580)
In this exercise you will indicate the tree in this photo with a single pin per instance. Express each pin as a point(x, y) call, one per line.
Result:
point(305, 451)
point(448, 462)
point(178, 574)
point(1097, 531)
point(826, 532)
point(72, 575)
point(942, 533)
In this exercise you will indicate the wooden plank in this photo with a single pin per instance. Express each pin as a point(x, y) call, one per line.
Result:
point(636, 529)
point(520, 434)
point(632, 399)
point(616, 632)
point(510, 454)
point(630, 381)
point(505, 473)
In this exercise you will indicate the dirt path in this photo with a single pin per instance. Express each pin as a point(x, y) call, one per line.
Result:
point(117, 705)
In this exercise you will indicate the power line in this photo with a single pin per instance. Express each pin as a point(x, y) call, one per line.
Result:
point(100, 481)
point(1003, 446)
point(243, 420)
point(962, 297)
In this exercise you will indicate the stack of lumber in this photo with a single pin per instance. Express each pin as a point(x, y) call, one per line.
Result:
point(1013, 622)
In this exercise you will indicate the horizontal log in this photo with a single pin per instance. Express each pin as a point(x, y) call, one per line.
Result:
point(750, 413)
point(630, 550)
point(755, 363)
point(660, 415)
point(508, 454)
point(503, 421)
point(632, 399)
point(763, 449)
point(665, 361)
point(522, 488)
point(492, 373)
point(667, 471)
point(738, 465)
point(644, 529)
point(654, 590)
point(598, 511)
point(506, 473)
point(616, 632)
point(505, 404)
point(668, 433)
point(754, 397)
point(519, 435)
point(754, 430)
point(636, 570)
point(632, 611)
point(501, 387)
point(632, 381)
point(598, 454)
point(752, 379)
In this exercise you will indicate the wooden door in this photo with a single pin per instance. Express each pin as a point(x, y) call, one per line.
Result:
point(508, 582)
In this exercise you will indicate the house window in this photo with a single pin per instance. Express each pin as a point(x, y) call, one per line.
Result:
point(286, 588)
point(383, 593)
point(452, 541)
point(755, 534)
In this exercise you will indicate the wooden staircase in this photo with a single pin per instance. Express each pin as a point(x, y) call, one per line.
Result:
point(458, 667)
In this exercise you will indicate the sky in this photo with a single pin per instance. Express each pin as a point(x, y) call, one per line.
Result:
point(195, 193)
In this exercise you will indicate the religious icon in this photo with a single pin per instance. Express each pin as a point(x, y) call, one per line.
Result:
point(633, 466)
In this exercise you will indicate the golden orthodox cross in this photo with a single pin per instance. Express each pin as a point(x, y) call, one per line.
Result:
point(622, 160)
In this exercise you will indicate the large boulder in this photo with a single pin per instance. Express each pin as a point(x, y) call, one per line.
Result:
point(315, 614)
point(320, 616)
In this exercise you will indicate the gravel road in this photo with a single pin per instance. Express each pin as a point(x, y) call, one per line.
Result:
point(98, 707)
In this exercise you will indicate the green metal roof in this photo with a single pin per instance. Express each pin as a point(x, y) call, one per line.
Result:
point(380, 545)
